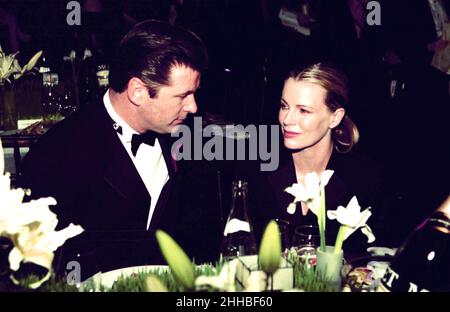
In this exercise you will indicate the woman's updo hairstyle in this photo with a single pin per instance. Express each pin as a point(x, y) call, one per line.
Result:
point(334, 81)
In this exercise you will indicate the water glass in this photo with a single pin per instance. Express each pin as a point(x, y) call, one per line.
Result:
point(306, 239)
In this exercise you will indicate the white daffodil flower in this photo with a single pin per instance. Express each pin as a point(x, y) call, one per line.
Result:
point(352, 218)
point(309, 191)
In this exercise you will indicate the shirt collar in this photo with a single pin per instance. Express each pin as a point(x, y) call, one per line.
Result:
point(127, 131)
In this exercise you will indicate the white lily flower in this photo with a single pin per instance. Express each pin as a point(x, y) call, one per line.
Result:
point(352, 217)
point(87, 54)
point(12, 221)
point(30, 226)
point(71, 57)
point(37, 244)
point(17, 70)
point(309, 191)
point(9, 66)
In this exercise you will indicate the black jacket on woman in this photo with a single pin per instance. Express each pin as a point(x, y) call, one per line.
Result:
point(354, 175)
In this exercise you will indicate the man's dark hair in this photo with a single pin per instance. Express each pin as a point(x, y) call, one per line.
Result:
point(148, 52)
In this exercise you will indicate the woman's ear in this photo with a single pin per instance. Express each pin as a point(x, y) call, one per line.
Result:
point(337, 117)
point(137, 91)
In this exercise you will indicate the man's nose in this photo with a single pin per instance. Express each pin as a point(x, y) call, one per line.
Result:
point(191, 105)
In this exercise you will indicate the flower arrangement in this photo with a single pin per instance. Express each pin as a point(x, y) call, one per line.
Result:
point(183, 275)
point(76, 65)
point(10, 68)
point(30, 226)
point(312, 194)
point(183, 269)
point(222, 277)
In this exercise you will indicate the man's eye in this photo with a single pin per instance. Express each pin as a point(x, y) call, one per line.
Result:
point(283, 106)
point(304, 111)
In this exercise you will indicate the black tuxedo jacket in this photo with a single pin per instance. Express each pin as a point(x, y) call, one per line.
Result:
point(84, 166)
point(354, 175)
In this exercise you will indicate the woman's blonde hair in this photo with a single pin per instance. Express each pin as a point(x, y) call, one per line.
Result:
point(334, 81)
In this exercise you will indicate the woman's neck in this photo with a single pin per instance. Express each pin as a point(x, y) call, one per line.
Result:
point(311, 159)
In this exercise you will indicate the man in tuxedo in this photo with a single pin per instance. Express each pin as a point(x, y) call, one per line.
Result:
point(109, 166)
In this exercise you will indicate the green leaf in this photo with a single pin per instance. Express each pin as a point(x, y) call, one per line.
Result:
point(270, 249)
point(32, 62)
point(176, 258)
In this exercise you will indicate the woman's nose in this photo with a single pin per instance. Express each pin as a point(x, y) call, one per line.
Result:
point(289, 118)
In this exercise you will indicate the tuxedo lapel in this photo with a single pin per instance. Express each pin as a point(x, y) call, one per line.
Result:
point(166, 147)
point(120, 173)
point(163, 210)
point(123, 177)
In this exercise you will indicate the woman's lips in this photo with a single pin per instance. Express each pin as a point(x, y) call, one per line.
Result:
point(289, 134)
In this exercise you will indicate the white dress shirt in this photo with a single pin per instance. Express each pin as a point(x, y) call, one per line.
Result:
point(149, 160)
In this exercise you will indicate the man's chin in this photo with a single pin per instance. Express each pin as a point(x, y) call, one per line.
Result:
point(174, 128)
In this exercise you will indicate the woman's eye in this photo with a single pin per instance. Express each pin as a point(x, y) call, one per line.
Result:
point(283, 106)
point(304, 111)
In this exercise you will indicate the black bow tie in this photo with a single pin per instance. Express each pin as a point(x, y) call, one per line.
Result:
point(138, 139)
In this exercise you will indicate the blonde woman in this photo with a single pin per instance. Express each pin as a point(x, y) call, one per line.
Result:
point(318, 134)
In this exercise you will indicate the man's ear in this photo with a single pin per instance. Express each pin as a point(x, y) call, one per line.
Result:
point(137, 91)
point(337, 117)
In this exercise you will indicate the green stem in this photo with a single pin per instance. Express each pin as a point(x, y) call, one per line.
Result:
point(322, 219)
point(268, 276)
point(340, 239)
